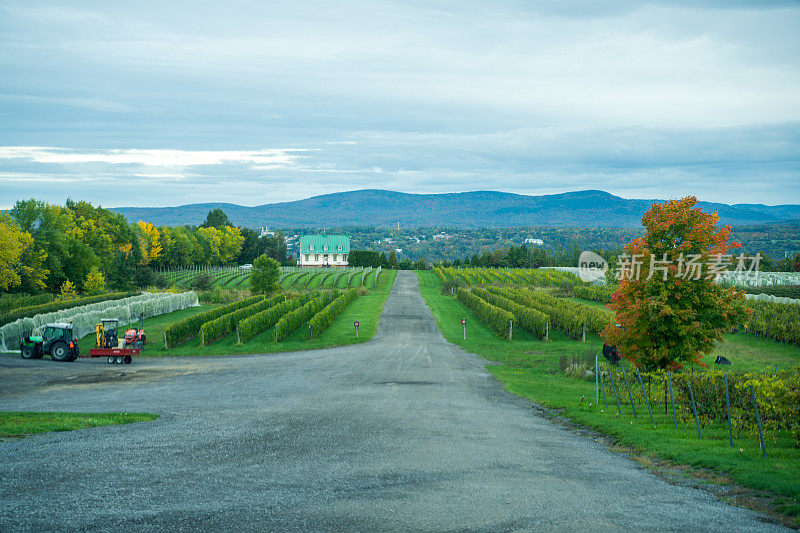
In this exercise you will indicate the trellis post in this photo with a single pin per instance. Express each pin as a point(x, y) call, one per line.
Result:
point(630, 396)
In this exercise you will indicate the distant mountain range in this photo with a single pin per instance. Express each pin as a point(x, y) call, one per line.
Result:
point(477, 209)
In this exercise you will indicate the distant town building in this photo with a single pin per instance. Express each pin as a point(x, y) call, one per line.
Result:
point(531, 240)
point(265, 232)
point(442, 236)
point(324, 250)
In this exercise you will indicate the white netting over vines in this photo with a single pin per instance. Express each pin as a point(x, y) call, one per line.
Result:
point(760, 279)
point(85, 317)
point(771, 298)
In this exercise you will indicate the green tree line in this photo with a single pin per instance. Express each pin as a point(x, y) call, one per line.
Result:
point(80, 247)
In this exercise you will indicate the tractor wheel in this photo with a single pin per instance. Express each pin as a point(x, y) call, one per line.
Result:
point(128, 359)
point(59, 352)
point(119, 360)
point(28, 352)
point(110, 359)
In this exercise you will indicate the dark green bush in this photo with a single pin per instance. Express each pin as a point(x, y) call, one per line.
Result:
point(203, 282)
point(160, 281)
point(449, 286)
point(15, 301)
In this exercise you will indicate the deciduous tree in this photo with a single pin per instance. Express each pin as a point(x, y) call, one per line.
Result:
point(95, 282)
point(265, 275)
point(14, 244)
point(665, 317)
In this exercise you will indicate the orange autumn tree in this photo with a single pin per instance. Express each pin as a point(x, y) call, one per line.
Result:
point(668, 309)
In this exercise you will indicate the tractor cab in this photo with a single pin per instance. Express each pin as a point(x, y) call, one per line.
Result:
point(106, 333)
point(57, 341)
point(57, 332)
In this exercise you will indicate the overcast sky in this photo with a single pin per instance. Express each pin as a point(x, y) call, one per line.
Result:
point(167, 103)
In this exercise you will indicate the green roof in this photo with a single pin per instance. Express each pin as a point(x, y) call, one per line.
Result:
point(315, 244)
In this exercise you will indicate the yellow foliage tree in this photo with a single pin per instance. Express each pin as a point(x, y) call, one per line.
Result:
point(68, 290)
point(151, 247)
point(225, 243)
point(95, 282)
point(14, 243)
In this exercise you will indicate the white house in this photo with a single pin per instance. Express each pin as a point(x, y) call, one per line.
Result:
point(324, 250)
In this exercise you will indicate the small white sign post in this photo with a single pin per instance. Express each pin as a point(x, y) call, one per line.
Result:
point(464, 325)
point(355, 325)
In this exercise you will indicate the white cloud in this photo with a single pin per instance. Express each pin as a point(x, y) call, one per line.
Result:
point(152, 158)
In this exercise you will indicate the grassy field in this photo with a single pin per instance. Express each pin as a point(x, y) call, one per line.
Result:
point(365, 309)
point(528, 367)
point(20, 423)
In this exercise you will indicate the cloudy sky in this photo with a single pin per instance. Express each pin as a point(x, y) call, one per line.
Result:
point(167, 103)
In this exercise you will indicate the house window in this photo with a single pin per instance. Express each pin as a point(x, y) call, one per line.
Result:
point(340, 247)
point(335, 257)
point(316, 257)
point(311, 247)
point(344, 257)
point(325, 248)
point(306, 258)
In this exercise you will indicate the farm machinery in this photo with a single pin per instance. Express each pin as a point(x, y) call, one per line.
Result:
point(109, 345)
point(56, 341)
point(59, 343)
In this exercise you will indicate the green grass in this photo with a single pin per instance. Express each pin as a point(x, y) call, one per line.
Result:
point(365, 309)
point(529, 367)
point(20, 423)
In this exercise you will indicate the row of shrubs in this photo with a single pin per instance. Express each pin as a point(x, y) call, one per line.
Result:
point(594, 293)
point(495, 318)
point(214, 330)
point(58, 305)
point(783, 291)
point(773, 320)
point(289, 323)
point(188, 328)
point(777, 396)
point(529, 319)
point(262, 321)
point(540, 277)
point(564, 315)
point(326, 316)
point(15, 301)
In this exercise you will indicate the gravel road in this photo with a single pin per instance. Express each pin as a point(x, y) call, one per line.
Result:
point(406, 432)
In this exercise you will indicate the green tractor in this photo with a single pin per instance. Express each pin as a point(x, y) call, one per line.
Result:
point(56, 341)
